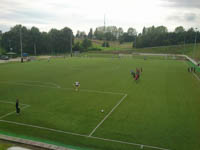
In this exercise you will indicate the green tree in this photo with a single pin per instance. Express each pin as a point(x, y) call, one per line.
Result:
point(86, 44)
point(120, 32)
point(1, 34)
point(132, 32)
point(179, 29)
point(56, 41)
point(90, 34)
point(99, 34)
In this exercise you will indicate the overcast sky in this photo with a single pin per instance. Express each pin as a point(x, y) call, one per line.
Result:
point(84, 14)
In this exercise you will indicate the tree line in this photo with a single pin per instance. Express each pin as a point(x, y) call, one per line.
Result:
point(34, 41)
point(159, 36)
point(109, 33)
point(150, 37)
point(61, 41)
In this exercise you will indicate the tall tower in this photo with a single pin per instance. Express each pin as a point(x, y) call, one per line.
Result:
point(104, 23)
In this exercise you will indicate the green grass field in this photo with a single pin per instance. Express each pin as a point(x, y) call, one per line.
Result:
point(161, 111)
point(4, 145)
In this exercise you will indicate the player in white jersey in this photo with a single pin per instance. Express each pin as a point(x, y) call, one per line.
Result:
point(77, 85)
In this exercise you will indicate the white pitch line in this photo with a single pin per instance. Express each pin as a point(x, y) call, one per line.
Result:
point(50, 83)
point(102, 92)
point(24, 84)
point(38, 127)
point(10, 113)
point(196, 76)
point(82, 135)
point(108, 115)
point(129, 143)
point(76, 134)
point(81, 90)
point(9, 102)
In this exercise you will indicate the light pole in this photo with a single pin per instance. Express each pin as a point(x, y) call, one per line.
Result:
point(71, 43)
point(184, 44)
point(195, 43)
point(9, 44)
point(35, 49)
point(21, 45)
point(136, 41)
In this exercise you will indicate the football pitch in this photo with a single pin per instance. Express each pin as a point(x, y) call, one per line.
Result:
point(159, 112)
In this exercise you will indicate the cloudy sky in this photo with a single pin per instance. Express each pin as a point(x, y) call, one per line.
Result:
point(84, 14)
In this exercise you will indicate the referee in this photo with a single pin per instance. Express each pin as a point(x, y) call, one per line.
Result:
point(17, 107)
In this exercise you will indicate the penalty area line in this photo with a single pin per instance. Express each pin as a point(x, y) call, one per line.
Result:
point(10, 102)
point(39, 127)
point(10, 113)
point(101, 92)
point(107, 115)
point(29, 85)
point(48, 83)
point(82, 135)
point(61, 88)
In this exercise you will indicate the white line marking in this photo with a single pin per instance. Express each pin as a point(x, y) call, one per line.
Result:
point(108, 114)
point(196, 76)
point(24, 84)
point(76, 134)
point(129, 143)
point(49, 129)
point(10, 113)
point(42, 86)
point(10, 102)
point(82, 135)
point(102, 92)
point(50, 83)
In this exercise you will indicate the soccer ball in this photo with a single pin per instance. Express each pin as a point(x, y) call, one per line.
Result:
point(102, 110)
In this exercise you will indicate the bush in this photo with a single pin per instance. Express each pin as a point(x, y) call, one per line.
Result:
point(77, 47)
point(106, 44)
point(86, 44)
point(94, 49)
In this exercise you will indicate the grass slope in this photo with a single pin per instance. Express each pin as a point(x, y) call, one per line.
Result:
point(161, 110)
point(114, 45)
point(188, 49)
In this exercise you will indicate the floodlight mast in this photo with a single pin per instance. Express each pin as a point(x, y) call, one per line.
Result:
point(104, 30)
point(35, 49)
point(136, 41)
point(104, 23)
point(71, 43)
point(195, 42)
point(184, 45)
point(21, 45)
point(9, 44)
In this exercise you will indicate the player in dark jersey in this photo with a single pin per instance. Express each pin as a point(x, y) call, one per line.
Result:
point(133, 73)
point(17, 107)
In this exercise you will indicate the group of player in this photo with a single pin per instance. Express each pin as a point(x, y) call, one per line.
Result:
point(192, 69)
point(136, 75)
